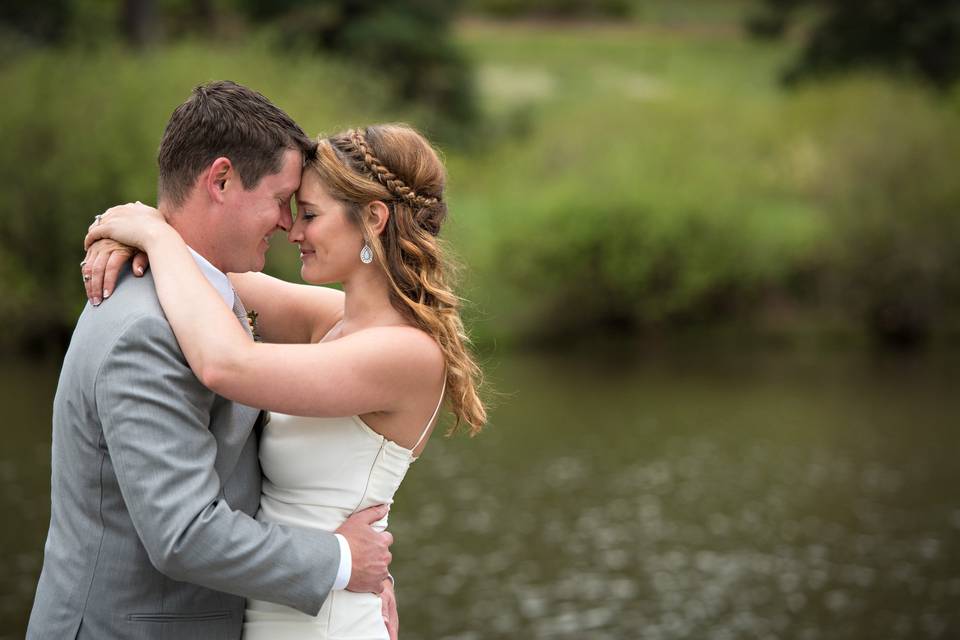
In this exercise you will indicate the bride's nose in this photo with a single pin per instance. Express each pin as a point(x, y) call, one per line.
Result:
point(296, 231)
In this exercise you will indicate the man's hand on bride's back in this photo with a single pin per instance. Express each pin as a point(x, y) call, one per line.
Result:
point(370, 550)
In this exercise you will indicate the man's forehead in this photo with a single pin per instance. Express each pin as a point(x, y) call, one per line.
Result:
point(289, 176)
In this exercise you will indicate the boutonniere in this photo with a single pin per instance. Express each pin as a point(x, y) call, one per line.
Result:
point(252, 316)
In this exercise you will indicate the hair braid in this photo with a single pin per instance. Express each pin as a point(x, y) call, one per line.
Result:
point(387, 178)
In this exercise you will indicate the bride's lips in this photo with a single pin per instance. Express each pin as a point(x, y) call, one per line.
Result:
point(304, 253)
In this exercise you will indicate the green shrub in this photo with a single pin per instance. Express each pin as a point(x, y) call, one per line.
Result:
point(651, 184)
point(408, 46)
point(81, 133)
point(886, 173)
point(552, 8)
point(637, 218)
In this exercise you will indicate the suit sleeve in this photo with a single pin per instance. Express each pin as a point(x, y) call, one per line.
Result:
point(155, 416)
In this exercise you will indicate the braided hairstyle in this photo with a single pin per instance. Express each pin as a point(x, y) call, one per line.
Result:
point(395, 164)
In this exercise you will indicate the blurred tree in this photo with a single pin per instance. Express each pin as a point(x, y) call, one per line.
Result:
point(408, 43)
point(553, 8)
point(915, 37)
point(138, 21)
point(45, 21)
point(92, 23)
point(887, 179)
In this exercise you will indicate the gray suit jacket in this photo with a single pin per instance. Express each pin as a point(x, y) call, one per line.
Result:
point(154, 482)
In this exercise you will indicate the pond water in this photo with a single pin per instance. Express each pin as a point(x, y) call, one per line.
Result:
point(626, 494)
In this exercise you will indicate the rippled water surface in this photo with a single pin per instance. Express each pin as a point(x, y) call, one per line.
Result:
point(774, 495)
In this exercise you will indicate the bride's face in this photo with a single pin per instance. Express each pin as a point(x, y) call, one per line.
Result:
point(329, 241)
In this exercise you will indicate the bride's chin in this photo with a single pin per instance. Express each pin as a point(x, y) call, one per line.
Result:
point(309, 277)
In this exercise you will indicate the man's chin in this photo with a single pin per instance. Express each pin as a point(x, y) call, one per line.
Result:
point(248, 266)
point(259, 262)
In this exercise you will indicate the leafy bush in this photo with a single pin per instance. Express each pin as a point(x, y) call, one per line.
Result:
point(650, 185)
point(670, 221)
point(919, 38)
point(76, 144)
point(886, 174)
point(552, 8)
point(408, 46)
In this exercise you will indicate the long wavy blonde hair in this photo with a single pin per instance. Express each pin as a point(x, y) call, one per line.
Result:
point(395, 164)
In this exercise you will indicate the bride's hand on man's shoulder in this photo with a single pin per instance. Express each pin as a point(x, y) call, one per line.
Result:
point(102, 265)
point(133, 224)
point(105, 256)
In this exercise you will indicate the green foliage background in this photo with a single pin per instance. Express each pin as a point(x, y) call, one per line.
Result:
point(643, 179)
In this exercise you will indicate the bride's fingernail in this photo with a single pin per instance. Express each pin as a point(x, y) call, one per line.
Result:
point(96, 301)
point(106, 293)
point(139, 271)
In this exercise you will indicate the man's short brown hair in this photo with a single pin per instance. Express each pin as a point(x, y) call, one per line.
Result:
point(225, 119)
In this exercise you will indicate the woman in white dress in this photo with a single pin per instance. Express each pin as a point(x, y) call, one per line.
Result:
point(354, 379)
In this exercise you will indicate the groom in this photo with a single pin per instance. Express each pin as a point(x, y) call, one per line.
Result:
point(155, 479)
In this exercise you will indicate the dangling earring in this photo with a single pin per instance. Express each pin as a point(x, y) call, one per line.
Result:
point(366, 254)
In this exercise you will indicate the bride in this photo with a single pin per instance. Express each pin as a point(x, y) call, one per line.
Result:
point(355, 379)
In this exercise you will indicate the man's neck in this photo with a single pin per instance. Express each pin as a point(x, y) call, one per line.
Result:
point(188, 224)
point(181, 221)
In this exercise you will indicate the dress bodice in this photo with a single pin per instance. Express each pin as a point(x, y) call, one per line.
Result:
point(318, 471)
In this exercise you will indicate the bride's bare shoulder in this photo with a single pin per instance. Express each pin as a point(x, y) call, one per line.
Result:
point(405, 344)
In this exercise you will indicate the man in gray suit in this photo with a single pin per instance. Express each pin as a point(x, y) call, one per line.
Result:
point(155, 478)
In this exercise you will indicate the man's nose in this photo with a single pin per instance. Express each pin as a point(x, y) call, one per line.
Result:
point(295, 232)
point(286, 218)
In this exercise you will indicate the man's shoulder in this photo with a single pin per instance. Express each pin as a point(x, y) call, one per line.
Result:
point(132, 298)
point(137, 295)
point(127, 329)
point(132, 311)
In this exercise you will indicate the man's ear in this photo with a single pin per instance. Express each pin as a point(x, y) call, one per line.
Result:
point(218, 175)
point(378, 214)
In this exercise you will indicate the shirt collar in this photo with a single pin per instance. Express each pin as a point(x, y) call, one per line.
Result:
point(215, 277)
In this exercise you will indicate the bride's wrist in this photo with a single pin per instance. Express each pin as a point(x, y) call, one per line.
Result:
point(157, 235)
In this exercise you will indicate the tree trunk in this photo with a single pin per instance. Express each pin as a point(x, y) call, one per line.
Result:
point(206, 15)
point(138, 22)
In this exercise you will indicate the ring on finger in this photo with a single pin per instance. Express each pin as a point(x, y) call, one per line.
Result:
point(87, 277)
point(97, 219)
point(82, 263)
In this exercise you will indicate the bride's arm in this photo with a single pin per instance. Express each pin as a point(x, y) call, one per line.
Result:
point(377, 369)
point(288, 312)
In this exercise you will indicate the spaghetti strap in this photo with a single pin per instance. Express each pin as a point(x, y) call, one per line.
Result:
point(435, 412)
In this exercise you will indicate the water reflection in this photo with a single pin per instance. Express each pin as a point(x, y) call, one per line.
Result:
point(689, 496)
point(26, 391)
point(763, 497)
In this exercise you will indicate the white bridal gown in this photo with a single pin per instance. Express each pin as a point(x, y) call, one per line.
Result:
point(316, 473)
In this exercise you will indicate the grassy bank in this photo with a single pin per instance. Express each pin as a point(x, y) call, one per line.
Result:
point(662, 178)
point(627, 178)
